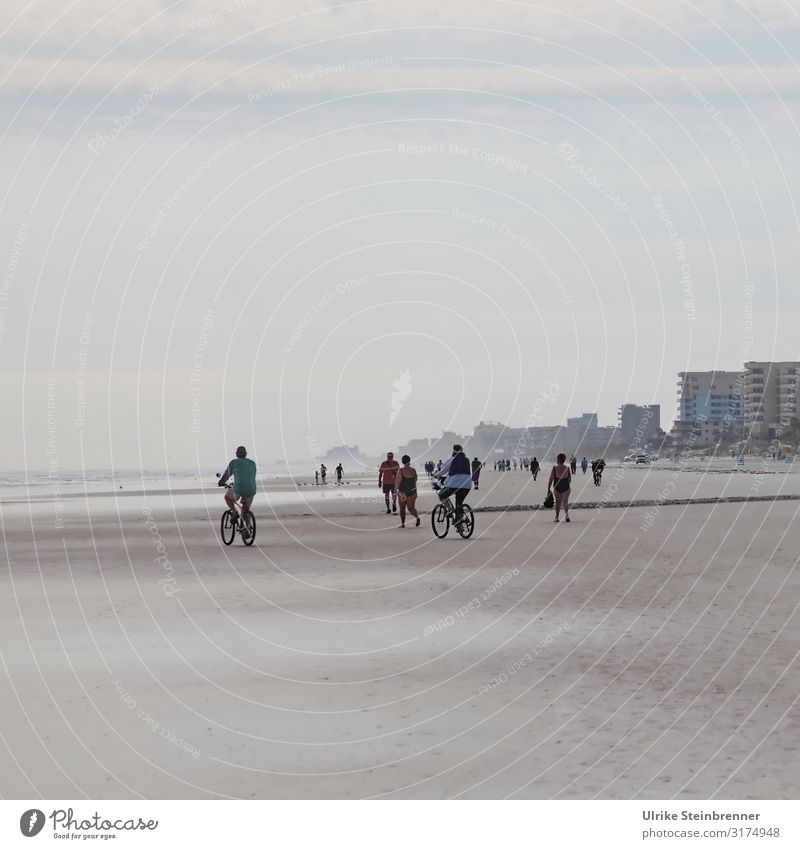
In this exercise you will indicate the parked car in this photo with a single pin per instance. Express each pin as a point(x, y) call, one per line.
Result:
point(642, 458)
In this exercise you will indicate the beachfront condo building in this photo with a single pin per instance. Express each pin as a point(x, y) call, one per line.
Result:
point(711, 407)
point(771, 398)
point(639, 423)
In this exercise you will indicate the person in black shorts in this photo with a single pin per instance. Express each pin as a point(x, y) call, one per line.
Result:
point(535, 468)
point(386, 480)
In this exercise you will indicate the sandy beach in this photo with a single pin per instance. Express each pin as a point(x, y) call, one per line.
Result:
point(619, 656)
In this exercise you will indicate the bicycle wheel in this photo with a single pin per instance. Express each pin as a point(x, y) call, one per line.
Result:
point(440, 521)
point(227, 527)
point(467, 524)
point(251, 538)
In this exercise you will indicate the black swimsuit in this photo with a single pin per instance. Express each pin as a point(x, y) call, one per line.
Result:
point(408, 485)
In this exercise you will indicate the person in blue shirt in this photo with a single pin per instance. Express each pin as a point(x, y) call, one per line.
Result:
point(243, 472)
point(457, 474)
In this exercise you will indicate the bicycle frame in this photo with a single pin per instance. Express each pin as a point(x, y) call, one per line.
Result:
point(465, 527)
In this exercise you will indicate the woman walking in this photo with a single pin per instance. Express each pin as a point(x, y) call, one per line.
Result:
point(407, 490)
point(560, 480)
point(476, 472)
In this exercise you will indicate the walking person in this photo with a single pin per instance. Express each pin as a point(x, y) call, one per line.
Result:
point(584, 464)
point(323, 471)
point(476, 471)
point(560, 480)
point(387, 474)
point(316, 477)
point(535, 468)
point(573, 464)
point(339, 474)
point(407, 490)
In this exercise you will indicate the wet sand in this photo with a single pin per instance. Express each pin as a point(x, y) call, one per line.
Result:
point(619, 656)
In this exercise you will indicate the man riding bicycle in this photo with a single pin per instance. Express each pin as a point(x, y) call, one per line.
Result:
point(457, 475)
point(243, 471)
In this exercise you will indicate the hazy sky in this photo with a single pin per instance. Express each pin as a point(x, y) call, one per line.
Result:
point(245, 221)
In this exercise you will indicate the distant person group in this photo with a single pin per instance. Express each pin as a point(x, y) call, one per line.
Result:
point(321, 475)
point(522, 464)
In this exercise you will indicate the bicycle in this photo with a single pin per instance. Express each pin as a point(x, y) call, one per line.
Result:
point(443, 513)
point(231, 524)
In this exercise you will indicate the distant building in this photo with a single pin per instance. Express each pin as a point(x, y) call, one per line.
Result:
point(583, 437)
point(638, 424)
point(586, 421)
point(417, 449)
point(492, 441)
point(710, 407)
point(430, 448)
point(350, 456)
point(770, 398)
point(598, 442)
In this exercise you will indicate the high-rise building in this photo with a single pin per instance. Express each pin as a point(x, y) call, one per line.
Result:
point(771, 397)
point(638, 423)
point(710, 406)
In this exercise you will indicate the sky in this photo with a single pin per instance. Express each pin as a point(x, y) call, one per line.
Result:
point(299, 224)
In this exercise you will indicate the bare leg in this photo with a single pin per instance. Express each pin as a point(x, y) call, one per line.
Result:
point(411, 502)
point(246, 502)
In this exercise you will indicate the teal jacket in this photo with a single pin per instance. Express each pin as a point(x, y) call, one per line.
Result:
point(244, 476)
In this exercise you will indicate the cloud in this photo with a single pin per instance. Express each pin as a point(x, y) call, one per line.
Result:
point(276, 82)
point(294, 21)
point(249, 51)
